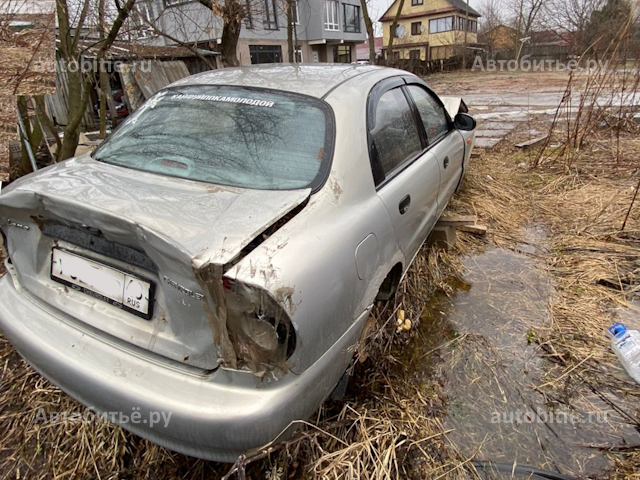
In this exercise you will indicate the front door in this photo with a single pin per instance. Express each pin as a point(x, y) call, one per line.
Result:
point(408, 176)
point(445, 142)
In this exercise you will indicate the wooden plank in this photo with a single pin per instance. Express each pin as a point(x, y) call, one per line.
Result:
point(457, 220)
point(476, 229)
point(532, 143)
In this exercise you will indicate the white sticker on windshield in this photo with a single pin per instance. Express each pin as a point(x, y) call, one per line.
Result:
point(217, 98)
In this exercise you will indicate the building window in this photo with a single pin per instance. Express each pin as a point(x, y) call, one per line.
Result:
point(472, 25)
point(270, 15)
point(331, 15)
point(441, 25)
point(248, 20)
point(416, 2)
point(265, 54)
point(351, 18)
point(342, 54)
point(294, 12)
point(440, 53)
point(414, 54)
point(145, 19)
point(416, 28)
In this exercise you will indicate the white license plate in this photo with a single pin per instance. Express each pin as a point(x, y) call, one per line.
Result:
point(103, 282)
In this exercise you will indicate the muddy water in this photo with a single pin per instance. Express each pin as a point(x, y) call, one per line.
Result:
point(477, 343)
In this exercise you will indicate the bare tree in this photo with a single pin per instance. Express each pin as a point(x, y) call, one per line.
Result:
point(572, 16)
point(492, 15)
point(526, 13)
point(70, 27)
point(394, 26)
point(368, 24)
point(232, 12)
point(605, 24)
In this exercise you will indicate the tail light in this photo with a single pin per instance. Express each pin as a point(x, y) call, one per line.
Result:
point(259, 328)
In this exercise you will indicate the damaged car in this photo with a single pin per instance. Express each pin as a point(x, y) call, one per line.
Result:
point(217, 257)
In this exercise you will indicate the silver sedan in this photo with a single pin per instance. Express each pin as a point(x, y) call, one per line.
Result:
point(203, 277)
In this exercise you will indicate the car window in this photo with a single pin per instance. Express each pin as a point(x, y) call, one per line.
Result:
point(249, 138)
point(395, 135)
point(432, 113)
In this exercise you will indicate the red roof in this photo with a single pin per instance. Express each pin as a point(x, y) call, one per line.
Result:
point(362, 49)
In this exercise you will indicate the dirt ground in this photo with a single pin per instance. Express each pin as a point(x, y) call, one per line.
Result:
point(462, 83)
point(512, 322)
point(27, 66)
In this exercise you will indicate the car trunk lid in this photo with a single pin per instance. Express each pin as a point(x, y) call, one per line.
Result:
point(161, 229)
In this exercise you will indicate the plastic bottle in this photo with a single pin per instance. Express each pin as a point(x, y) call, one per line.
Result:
point(626, 344)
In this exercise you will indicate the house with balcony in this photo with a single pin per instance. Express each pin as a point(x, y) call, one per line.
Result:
point(430, 29)
point(324, 30)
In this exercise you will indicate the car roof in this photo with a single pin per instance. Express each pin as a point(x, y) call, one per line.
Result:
point(315, 79)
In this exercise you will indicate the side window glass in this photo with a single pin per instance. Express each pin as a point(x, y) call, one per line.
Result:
point(432, 113)
point(395, 136)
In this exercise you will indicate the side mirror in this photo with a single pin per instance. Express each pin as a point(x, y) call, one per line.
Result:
point(464, 122)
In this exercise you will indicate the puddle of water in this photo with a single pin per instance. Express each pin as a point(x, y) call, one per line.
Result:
point(476, 343)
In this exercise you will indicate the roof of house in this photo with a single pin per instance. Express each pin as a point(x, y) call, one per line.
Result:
point(362, 49)
point(456, 5)
point(463, 6)
point(549, 37)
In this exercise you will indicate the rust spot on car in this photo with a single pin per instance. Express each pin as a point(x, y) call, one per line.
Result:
point(186, 359)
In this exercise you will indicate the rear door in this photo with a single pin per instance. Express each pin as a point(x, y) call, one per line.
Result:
point(407, 176)
point(444, 141)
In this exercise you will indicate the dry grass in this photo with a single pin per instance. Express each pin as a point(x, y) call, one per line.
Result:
point(7, 132)
point(27, 66)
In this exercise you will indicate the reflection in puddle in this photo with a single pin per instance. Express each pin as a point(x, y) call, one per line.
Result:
point(476, 343)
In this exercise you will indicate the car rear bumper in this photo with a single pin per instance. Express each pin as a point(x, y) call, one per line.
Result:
point(215, 416)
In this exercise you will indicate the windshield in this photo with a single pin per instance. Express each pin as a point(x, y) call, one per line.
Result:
point(250, 138)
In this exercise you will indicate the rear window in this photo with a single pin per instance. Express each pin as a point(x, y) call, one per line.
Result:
point(250, 138)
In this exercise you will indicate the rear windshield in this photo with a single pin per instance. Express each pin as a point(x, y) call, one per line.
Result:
point(240, 137)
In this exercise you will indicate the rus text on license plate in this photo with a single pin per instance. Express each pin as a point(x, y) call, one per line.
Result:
point(103, 282)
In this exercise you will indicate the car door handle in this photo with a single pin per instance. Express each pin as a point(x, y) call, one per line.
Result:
point(404, 204)
point(445, 162)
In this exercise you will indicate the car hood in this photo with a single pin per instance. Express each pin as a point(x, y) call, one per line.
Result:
point(209, 223)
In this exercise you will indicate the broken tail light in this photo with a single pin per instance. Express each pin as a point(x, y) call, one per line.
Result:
point(259, 329)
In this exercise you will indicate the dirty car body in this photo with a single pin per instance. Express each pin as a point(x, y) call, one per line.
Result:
point(217, 258)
